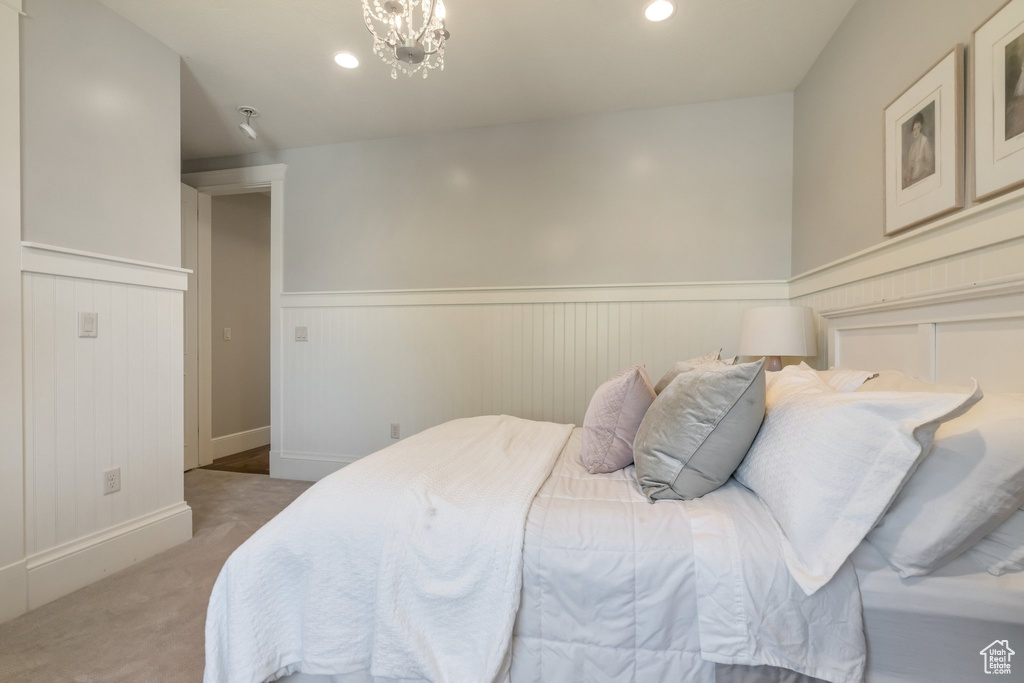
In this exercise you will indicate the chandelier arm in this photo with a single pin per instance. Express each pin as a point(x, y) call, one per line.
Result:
point(426, 24)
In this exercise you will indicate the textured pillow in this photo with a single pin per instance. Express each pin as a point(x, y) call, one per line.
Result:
point(615, 411)
point(843, 379)
point(698, 430)
point(685, 366)
point(827, 466)
point(970, 483)
point(1002, 551)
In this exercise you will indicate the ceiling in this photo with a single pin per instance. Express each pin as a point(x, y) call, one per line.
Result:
point(510, 61)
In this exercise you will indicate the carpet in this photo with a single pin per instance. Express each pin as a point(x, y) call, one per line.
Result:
point(145, 624)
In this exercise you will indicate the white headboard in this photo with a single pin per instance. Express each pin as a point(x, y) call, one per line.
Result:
point(944, 338)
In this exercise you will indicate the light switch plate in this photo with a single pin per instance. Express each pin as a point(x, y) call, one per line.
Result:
point(301, 334)
point(88, 324)
point(227, 334)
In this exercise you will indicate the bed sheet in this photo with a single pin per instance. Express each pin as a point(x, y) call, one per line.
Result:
point(933, 628)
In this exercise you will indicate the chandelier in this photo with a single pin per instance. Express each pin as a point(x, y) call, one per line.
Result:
point(408, 35)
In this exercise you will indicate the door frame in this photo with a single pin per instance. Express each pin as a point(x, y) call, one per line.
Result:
point(210, 184)
point(189, 260)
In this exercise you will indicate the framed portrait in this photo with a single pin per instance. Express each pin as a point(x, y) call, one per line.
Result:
point(997, 95)
point(924, 146)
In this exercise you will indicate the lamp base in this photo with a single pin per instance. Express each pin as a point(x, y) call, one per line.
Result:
point(772, 363)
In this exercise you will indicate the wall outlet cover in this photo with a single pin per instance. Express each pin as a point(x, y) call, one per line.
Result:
point(112, 480)
point(227, 334)
point(396, 431)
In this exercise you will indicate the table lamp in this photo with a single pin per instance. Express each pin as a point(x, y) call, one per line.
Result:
point(776, 331)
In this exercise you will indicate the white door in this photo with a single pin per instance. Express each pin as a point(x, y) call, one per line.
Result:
point(190, 260)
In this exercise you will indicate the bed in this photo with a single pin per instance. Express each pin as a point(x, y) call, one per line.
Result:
point(613, 588)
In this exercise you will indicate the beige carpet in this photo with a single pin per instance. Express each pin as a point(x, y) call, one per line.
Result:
point(146, 623)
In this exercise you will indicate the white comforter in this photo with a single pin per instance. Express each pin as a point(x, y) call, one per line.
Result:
point(406, 564)
point(617, 589)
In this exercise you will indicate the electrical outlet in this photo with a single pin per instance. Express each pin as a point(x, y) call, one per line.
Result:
point(112, 481)
point(301, 334)
point(227, 334)
point(395, 431)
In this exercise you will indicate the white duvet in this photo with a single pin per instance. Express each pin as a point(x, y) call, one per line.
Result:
point(408, 565)
point(405, 564)
point(616, 589)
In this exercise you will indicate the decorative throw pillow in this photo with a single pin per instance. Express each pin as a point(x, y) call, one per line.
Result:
point(698, 430)
point(615, 411)
point(970, 483)
point(684, 366)
point(828, 465)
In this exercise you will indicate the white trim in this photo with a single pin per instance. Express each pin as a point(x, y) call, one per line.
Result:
point(235, 180)
point(677, 291)
point(68, 567)
point(307, 466)
point(982, 225)
point(204, 294)
point(14, 5)
point(51, 260)
point(229, 444)
point(13, 591)
point(999, 287)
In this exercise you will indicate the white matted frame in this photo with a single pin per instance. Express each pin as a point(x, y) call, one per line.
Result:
point(998, 151)
point(939, 94)
point(226, 182)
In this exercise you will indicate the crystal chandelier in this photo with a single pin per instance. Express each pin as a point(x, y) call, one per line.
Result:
point(408, 35)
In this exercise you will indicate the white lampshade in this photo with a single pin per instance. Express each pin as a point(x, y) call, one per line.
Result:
point(778, 331)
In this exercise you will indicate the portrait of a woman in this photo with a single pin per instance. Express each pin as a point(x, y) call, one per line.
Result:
point(919, 154)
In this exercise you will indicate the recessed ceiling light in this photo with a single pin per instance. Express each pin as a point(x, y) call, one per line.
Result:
point(659, 10)
point(346, 60)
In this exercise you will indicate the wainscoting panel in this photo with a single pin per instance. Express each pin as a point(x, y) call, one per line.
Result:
point(994, 270)
point(365, 367)
point(96, 403)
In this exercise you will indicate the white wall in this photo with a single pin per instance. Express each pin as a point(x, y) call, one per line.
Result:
point(98, 172)
point(12, 528)
point(100, 133)
point(533, 353)
point(880, 49)
point(680, 194)
point(240, 265)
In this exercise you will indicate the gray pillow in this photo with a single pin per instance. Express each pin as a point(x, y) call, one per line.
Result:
point(686, 366)
point(698, 430)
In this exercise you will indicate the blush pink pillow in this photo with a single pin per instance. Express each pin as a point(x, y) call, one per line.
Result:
point(613, 416)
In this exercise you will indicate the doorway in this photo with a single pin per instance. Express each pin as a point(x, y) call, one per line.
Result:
point(237, 355)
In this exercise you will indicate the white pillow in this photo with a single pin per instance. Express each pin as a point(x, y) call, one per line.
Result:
point(686, 366)
point(970, 483)
point(805, 379)
point(843, 379)
point(1002, 551)
point(827, 466)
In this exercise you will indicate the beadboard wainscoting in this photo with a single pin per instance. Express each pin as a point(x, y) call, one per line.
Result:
point(421, 358)
point(977, 254)
point(92, 404)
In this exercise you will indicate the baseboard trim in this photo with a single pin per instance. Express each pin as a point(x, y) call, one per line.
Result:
point(55, 573)
point(229, 444)
point(13, 591)
point(307, 466)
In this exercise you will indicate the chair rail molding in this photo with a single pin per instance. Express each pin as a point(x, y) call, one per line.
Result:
point(84, 265)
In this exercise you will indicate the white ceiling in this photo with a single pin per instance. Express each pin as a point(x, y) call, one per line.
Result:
point(510, 61)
